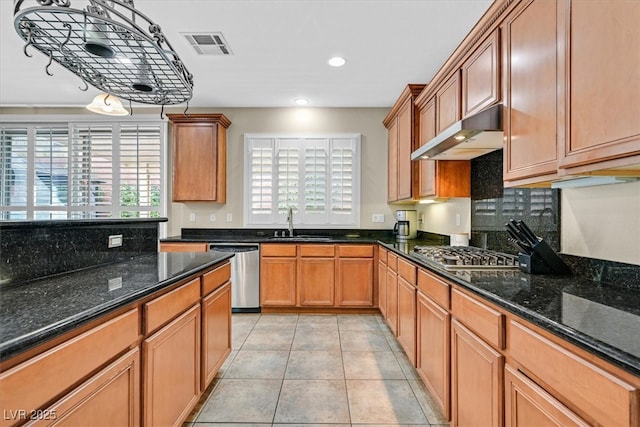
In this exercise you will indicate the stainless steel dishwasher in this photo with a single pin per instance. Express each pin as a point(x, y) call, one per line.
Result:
point(245, 275)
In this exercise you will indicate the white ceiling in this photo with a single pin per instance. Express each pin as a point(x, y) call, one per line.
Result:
point(280, 51)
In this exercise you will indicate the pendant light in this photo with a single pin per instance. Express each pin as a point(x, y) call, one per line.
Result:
point(108, 105)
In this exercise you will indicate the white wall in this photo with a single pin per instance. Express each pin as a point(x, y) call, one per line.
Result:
point(366, 121)
point(452, 216)
point(602, 222)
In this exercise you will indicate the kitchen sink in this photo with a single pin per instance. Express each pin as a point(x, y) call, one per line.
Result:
point(302, 238)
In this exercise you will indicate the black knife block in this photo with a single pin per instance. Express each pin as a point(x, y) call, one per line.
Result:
point(543, 260)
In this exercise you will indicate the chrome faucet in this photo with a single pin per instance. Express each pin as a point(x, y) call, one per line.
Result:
point(290, 220)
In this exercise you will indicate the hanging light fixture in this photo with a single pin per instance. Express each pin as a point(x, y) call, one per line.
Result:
point(108, 105)
point(108, 44)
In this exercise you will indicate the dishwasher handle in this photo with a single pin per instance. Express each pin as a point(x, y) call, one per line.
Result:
point(234, 247)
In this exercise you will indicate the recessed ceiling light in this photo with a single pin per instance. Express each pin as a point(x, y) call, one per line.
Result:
point(301, 101)
point(337, 61)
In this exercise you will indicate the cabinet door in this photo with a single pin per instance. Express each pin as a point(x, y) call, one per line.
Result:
point(433, 350)
point(481, 77)
point(199, 157)
point(427, 168)
point(529, 405)
point(183, 247)
point(405, 147)
point(407, 318)
point(113, 394)
point(477, 380)
point(172, 371)
point(216, 332)
point(602, 91)
point(195, 162)
point(316, 281)
point(278, 281)
point(448, 103)
point(354, 286)
point(392, 163)
point(382, 288)
point(392, 300)
point(531, 114)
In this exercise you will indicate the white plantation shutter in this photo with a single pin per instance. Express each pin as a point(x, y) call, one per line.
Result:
point(81, 170)
point(140, 171)
point(319, 177)
point(315, 183)
point(92, 177)
point(13, 172)
point(343, 180)
point(260, 166)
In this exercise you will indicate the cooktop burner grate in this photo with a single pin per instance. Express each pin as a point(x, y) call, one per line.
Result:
point(466, 257)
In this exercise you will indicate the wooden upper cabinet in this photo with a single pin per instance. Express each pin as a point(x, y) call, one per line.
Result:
point(531, 112)
point(199, 157)
point(402, 125)
point(448, 103)
point(601, 65)
point(481, 76)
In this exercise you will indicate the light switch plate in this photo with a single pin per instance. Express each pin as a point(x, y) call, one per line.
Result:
point(377, 218)
point(229, 217)
point(115, 283)
point(115, 241)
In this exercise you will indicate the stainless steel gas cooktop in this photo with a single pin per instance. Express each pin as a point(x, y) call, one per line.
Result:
point(466, 257)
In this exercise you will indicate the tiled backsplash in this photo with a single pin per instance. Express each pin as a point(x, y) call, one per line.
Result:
point(33, 249)
point(492, 206)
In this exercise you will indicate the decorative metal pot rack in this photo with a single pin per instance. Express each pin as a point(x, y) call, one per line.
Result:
point(106, 46)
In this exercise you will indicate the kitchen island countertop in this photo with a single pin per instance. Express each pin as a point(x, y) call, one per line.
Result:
point(34, 312)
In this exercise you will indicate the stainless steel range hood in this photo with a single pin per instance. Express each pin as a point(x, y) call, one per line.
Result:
point(466, 139)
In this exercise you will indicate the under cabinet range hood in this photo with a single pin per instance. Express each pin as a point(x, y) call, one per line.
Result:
point(466, 139)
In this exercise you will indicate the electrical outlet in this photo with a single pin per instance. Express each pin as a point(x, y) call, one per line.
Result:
point(229, 217)
point(377, 218)
point(212, 217)
point(115, 283)
point(192, 217)
point(115, 241)
point(457, 220)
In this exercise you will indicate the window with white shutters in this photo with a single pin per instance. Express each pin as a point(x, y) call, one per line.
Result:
point(81, 170)
point(317, 177)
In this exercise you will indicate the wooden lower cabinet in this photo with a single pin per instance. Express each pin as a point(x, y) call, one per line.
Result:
point(113, 394)
point(407, 318)
point(216, 332)
point(354, 283)
point(382, 288)
point(392, 300)
point(477, 386)
point(433, 358)
point(529, 405)
point(183, 247)
point(171, 378)
point(317, 275)
point(278, 281)
point(316, 281)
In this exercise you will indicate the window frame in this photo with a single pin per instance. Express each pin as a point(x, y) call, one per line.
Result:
point(281, 218)
point(32, 122)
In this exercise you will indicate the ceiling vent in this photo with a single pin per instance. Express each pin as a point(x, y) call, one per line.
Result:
point(208, 43)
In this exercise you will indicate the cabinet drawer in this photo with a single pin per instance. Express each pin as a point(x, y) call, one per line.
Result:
point(183, 247)
point(482, 319)
point(164, 308)
point(30, 385)
point(355, 251)
point(277, 250)
point(434, 287)
point(392, 261)
point(407, 271)
point(317, 250)
point(609, 400)
point(215, 278)
point(382, 255)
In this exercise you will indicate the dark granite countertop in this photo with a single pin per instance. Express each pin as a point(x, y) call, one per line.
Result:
point(602, 319)
point(34, 312)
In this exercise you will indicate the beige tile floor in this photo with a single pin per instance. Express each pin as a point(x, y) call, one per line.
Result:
point(315, 370)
